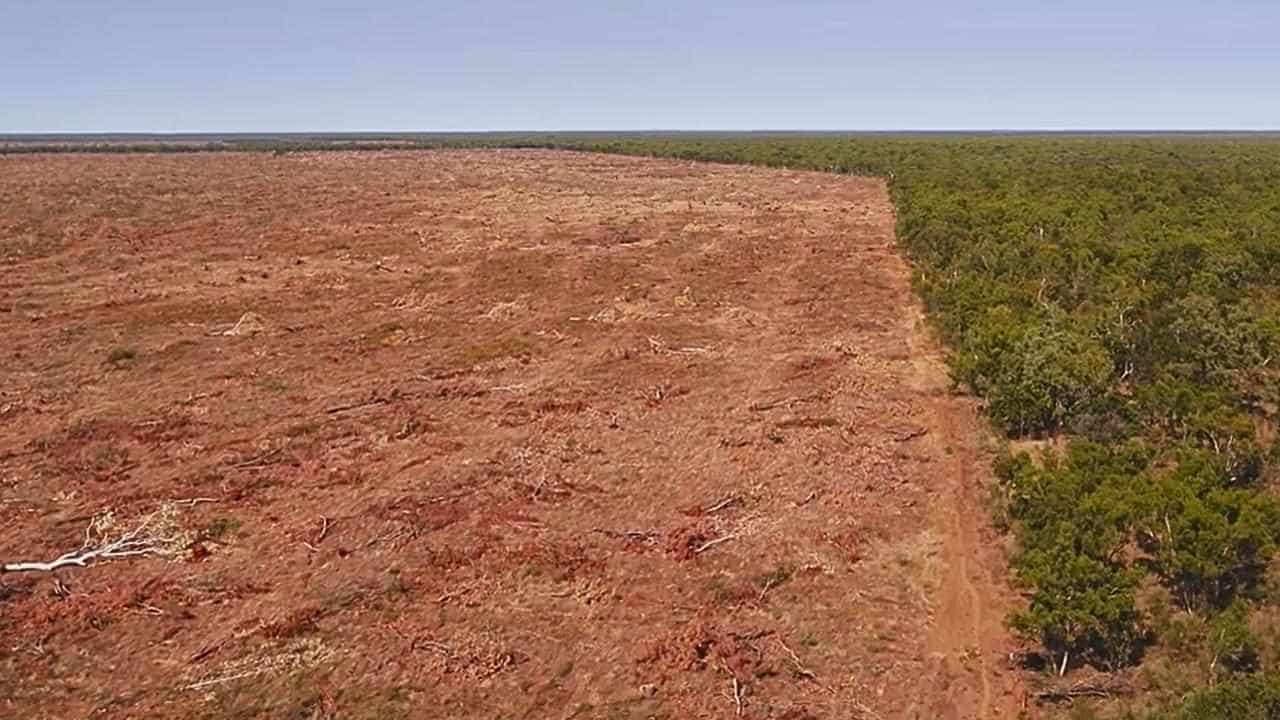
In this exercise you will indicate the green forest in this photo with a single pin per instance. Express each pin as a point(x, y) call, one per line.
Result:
point(1117, 298)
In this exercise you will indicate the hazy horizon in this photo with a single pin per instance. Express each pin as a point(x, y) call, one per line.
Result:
point(644, 131)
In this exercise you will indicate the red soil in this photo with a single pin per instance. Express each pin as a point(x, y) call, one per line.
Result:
point(504, 434)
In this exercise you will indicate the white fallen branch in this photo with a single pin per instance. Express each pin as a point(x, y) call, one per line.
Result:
point(154, 534)
point(228, 678)
point(712, 543)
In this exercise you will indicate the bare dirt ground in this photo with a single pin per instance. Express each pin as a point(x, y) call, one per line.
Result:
point(481, 435)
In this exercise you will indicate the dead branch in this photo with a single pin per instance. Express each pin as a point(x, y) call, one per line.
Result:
point(257, 461)
point(207, 650)
point(227, 678)
point(192, 502)
point(801, 670)
point(541, 484)
point(452, 595)
point(659, 347)
point(910, 434)
point(648, 536)
point(1098, 687)
point(712, 543)
point(324, 530)
point(154, 534)
point(148, 609)
point(433, 645)
point(768, 585)
point(356, 406)
point(250, 323)
point(786, 402)
point(721, 505)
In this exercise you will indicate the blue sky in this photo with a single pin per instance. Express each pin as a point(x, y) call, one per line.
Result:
point(240, 65)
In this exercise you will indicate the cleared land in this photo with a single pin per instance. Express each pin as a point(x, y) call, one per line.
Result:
point(482, 434)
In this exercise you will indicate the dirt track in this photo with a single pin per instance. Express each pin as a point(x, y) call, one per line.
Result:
point(505, 434)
